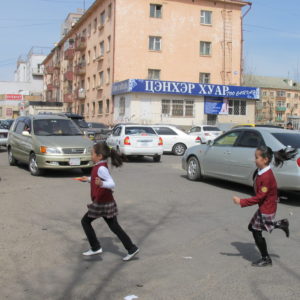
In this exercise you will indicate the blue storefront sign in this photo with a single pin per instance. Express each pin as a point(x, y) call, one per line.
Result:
point(215, 106)
point(184, 88)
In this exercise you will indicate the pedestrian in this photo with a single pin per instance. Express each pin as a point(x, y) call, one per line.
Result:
point(103, 203)
point(289, 126)
point(266, 197)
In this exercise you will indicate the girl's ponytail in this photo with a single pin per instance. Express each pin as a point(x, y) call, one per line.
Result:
point(283, 155)
point(116, 158)
point(103, 149)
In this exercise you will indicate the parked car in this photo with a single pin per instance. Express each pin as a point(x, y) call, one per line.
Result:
point(231, 156)
point(136, 140)
point(205, 132)
point(102, 131)
point(3, 137)
point(6, 124)
point(48, 142)
point(175, 140)
point(257, 125)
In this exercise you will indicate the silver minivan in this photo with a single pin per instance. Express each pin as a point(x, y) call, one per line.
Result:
point(48, 142)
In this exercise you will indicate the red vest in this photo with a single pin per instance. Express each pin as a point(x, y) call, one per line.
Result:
point(266, 193)
point(99, 194)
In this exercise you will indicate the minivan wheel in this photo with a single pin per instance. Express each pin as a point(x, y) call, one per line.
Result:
point(11, 160)
point(179, 149)
point(156, 158)
point(33, 167)
point(193, 169)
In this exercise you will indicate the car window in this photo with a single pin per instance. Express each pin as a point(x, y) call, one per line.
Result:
point(20, 127)
point(139, 130)
point(81, 123)
point(211, 128)
point(288, 139)
point(228, 139)
point(117, 131)
point(57, 127)
point(250, 139)
point(164, 131)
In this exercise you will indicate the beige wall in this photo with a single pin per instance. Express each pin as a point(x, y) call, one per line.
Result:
point(181, 33)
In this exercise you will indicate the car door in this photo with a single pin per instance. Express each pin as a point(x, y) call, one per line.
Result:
point(217, 157)
point(114, 139)
point(168, 135)
point(26, 143)
point(17, 140)
point(242, 159)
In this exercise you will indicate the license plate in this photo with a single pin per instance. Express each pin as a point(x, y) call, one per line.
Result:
point(74, 161)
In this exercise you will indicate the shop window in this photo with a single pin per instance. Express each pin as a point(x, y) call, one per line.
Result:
point(122, 106)
point(189, 108)
point(206, 17)
point(154, 74)
point(237, 107)
point(204, 78)
point(155, 43)
point(166, 107)
point(177, 108)
point(155, 10)
point(205, 48)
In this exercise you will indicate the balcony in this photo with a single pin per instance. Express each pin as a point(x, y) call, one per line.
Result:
point(280, 108)
point(56, 65)
point(80, 69)
point(279, 120)
point(99, 87)
point(80, 93)
point(99, 58)
point(68, 96)
point(69, 54)
point(80, 43)
point(50, 87)
point(49, 69)
point(69, 75)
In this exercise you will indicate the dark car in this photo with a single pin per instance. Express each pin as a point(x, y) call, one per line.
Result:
point(6, 124)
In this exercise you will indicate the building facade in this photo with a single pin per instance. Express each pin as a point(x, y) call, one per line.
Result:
point(279, 99)
point(179, 41)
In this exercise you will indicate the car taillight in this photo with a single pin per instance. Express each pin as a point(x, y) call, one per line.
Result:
point(127, 141)
point(160, 143)
point(207, 134)
point(298, 162)
point(198, 139)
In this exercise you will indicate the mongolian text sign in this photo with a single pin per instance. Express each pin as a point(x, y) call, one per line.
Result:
point(184, 88)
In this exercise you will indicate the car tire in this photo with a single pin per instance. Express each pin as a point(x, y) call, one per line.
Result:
point(179, 149)
point(33, 167)
point(156, 158)
point(193, 169)
point(11, 160)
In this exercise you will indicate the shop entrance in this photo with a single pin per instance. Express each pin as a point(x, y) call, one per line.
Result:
point(211, 119)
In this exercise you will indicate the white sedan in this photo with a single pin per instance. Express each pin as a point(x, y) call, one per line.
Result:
point(3, 137)
point(136, 140)
point(175, 140)
point(205, 132)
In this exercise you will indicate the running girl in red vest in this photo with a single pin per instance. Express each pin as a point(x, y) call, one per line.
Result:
point(103, 203)
point(266, 197)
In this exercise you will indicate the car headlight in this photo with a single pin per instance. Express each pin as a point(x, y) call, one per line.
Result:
point(50, 150)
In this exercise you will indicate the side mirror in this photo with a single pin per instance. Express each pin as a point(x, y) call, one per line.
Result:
point(26, 133)
point(210, 143)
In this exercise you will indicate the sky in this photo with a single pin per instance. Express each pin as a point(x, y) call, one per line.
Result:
point(271, 33)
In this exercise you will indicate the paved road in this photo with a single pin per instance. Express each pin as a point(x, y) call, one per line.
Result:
point(194, 242)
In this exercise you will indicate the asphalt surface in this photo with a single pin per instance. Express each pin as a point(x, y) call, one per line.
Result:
point(194, 241)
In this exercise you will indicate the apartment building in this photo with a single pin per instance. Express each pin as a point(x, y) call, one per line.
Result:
point(279, 99)
point(181, 42)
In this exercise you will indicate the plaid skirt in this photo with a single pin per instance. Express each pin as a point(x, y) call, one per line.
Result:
point(106, 210)
point(263, 222)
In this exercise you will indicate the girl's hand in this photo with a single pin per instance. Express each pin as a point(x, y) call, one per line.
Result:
point(98, 181)
point(236, 200)
point(85, 178)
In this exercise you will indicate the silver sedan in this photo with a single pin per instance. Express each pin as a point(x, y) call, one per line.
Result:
point(231, 157)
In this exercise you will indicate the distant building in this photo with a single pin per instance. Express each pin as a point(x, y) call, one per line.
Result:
point(70, 22)
point(279, 99)
point(191, 50)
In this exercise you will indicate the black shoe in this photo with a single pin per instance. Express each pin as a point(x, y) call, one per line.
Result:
point(284, 225)
point(263, 262)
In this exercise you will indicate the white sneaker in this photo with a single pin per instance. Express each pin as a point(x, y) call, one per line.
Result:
point(91, 252)
point(130, 256)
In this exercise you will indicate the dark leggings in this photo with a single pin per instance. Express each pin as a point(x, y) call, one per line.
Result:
point(259, 241)
point(113, 225)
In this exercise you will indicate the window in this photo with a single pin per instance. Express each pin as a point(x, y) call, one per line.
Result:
point(166, 107)
point(288, 139)
point(122, 106)
point(237, 107)
point(288, 95)
point(93, 111)
point(89, 57)
point(108, 43)
point(101, 78)
point(95, 52)
point(205, 48)
point(288, 105)
point(279, 115)
point(264, 104)
point(206, 17)
point(264, 93)
point(82, 108)
point(94, 81)
point(88, 109)
point(272, 94)
point(164, 131)
point(107, 106)
point(95, 24)
point(117, 131)
point(204, 78)
point(1, 112)
point(296, 96)
point(296, 106)
point(227, 140)
point(280, 93)
point(155, 43)
point(155, 10)
point(177, 108)
point(280, 103)
point(89, 30)
point(154, 74)
point(102, 18)
point(88, 83)
point(196, 129)
point(20, 127)
point(108, 75)
point(134, 130)
point(100, 107)
point(250, 139)
point(189, 108)
point(102, 48)
point(109, 11)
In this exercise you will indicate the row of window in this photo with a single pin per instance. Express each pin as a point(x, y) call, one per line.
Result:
point(99, 51)
point(98, 81)
point(155, 44)
point(280, 94)
point(280, 103)
point(205, 15)
point(95, 108)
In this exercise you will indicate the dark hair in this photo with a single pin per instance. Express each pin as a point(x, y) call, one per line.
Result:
point(103, 149)
point(279, 156)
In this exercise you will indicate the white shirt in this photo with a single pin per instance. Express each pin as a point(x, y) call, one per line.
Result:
point(103, 173)
point(264, 170)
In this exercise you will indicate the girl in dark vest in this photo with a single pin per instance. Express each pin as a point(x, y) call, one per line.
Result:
point(103, 203)
point(266, 197)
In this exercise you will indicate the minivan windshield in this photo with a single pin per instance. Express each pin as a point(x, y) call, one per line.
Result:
point(58, 127)
point(81, 123)
point(288, 139)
